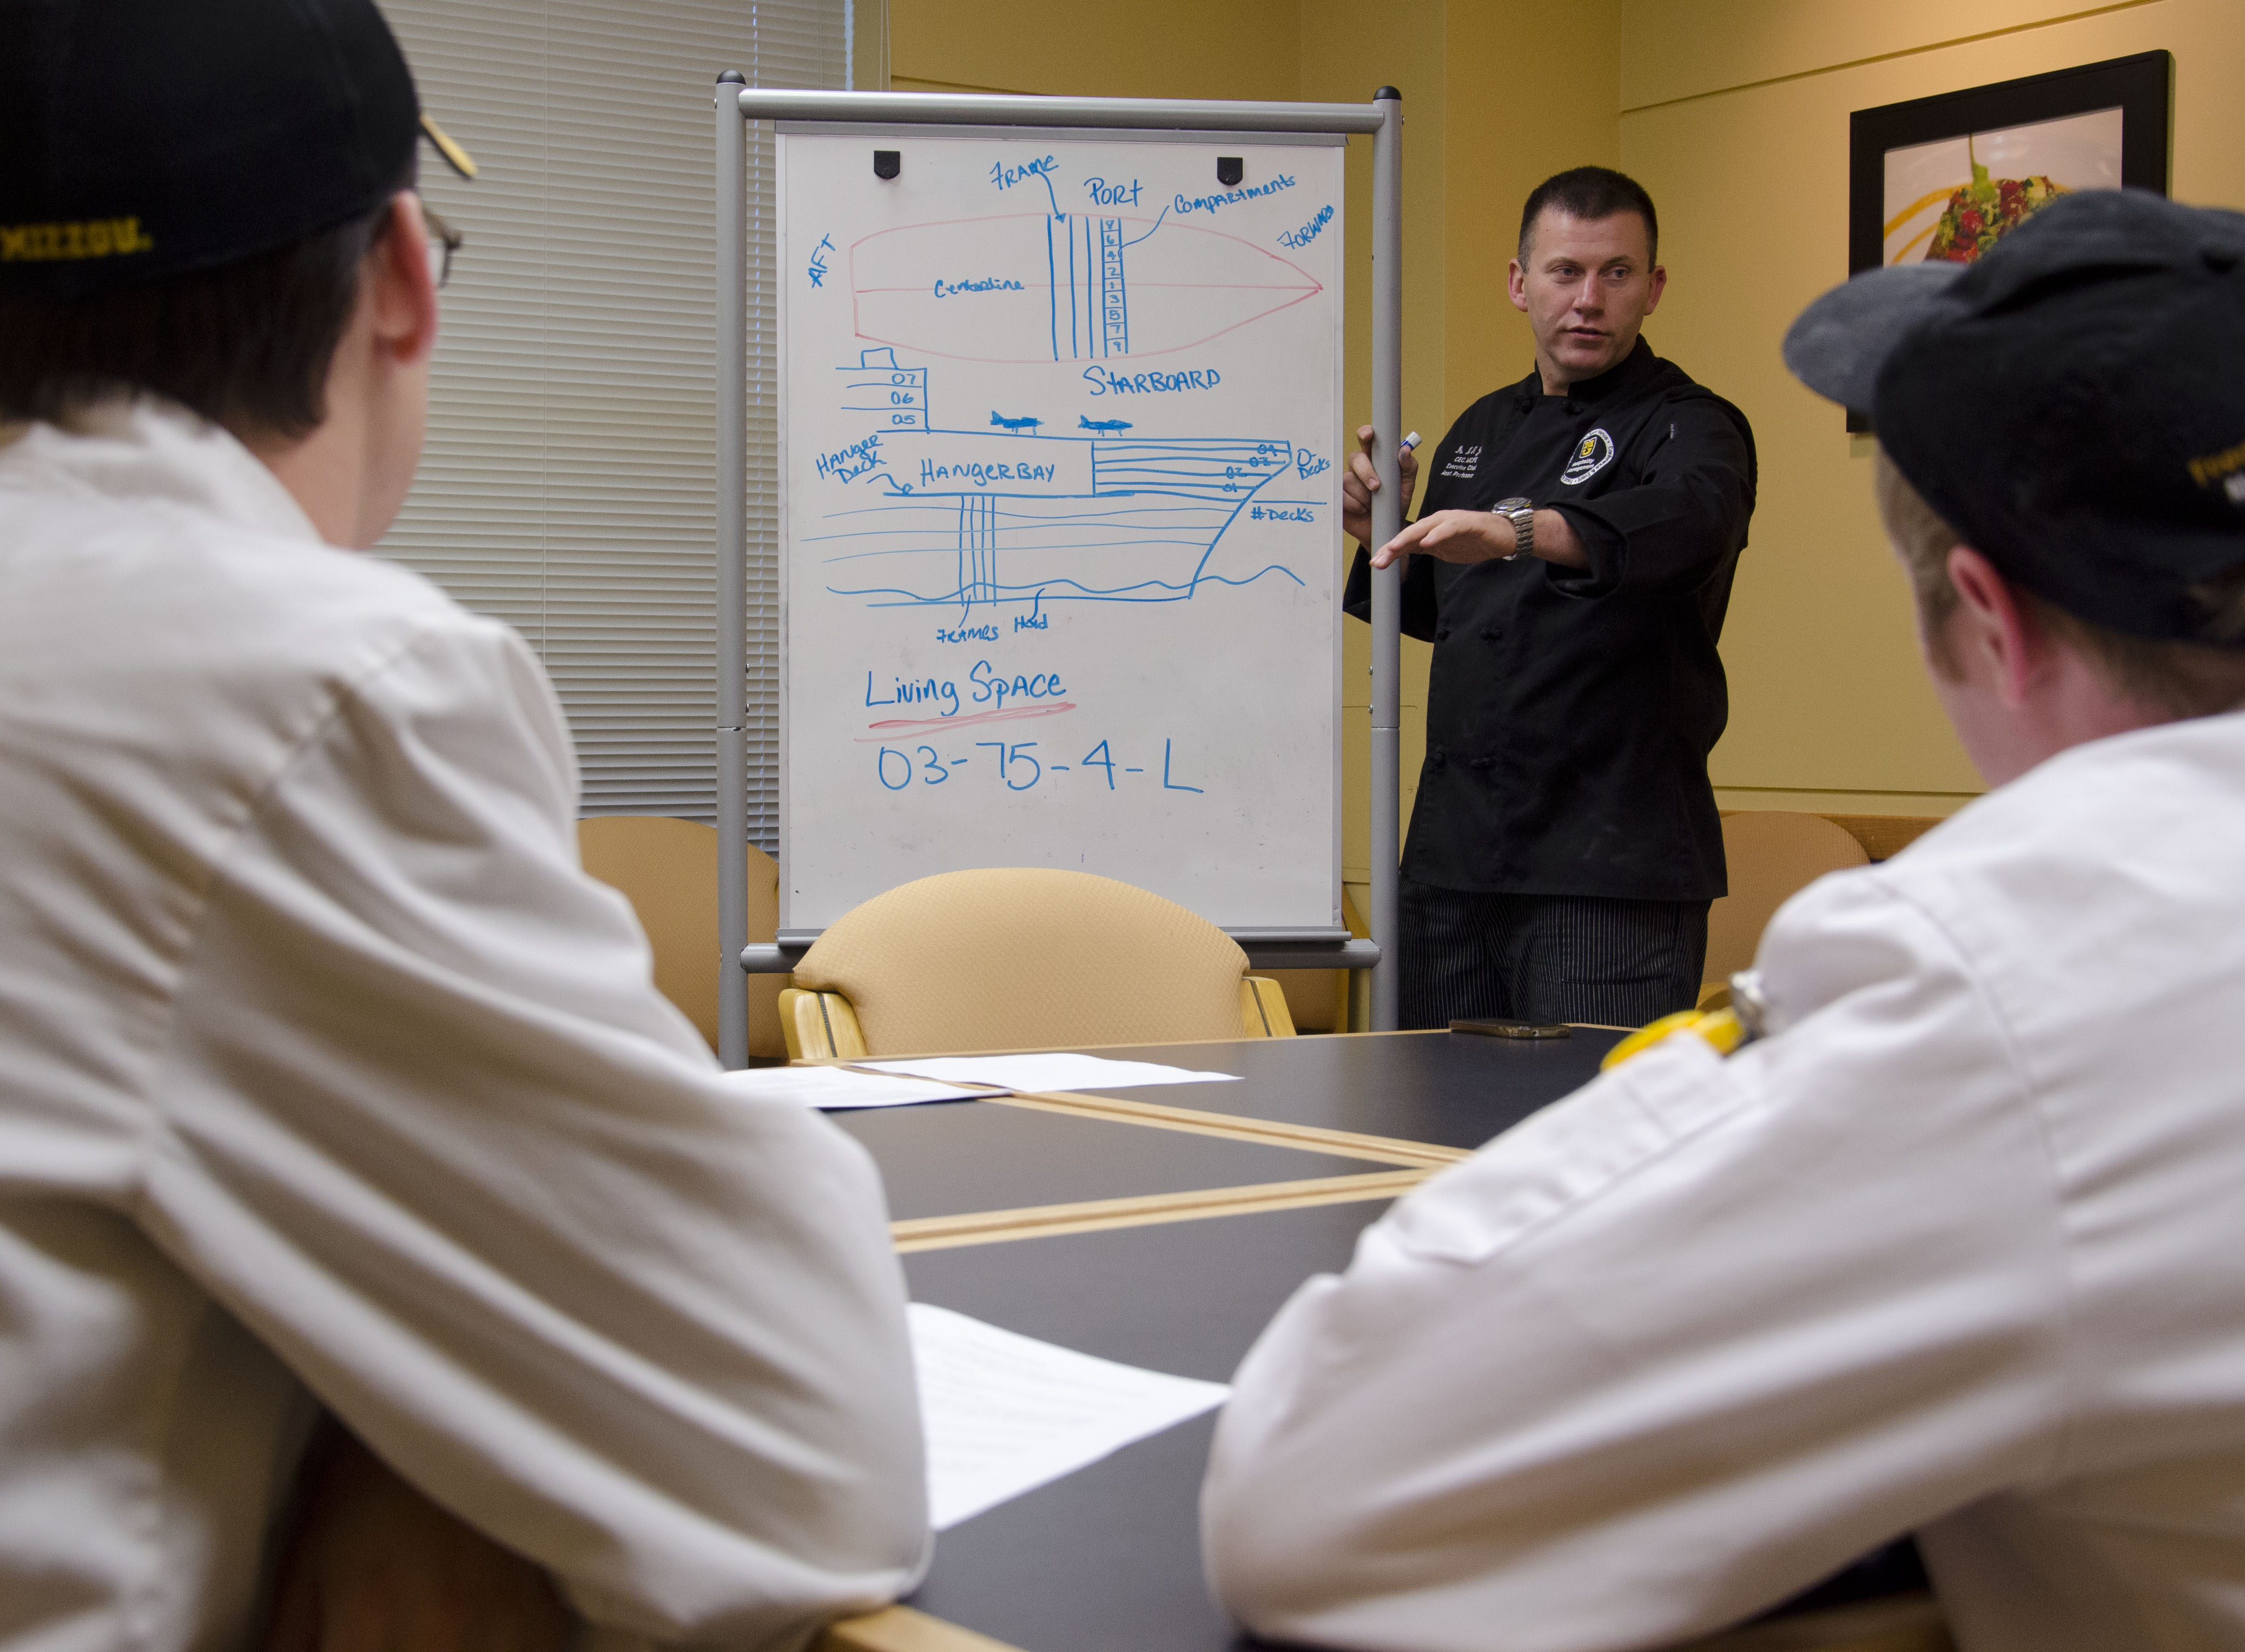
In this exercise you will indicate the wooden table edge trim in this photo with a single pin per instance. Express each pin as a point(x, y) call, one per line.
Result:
point(901, 1629)
point(1347, 1144)
point(1910, 1623)
point(1091, 1215)
point(1899, 1623)
point(1138, 1044)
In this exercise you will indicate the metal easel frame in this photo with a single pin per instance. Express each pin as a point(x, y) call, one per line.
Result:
point(736, 104)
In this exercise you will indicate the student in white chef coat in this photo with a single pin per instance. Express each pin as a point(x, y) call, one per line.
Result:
point(327, 1079)
point(1957, 1246)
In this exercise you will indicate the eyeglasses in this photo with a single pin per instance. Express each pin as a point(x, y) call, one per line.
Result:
point(444, 241)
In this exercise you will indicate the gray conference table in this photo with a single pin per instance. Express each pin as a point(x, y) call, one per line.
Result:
point(1108, 1559)
point(1446, 1089)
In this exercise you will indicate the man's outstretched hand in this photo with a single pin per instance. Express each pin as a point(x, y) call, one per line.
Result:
point(1483, 536)
point(373, 1566)
point(1360, 482)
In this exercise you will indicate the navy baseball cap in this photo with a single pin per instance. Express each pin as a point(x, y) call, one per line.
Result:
point(147, 138)
point(2073, 404)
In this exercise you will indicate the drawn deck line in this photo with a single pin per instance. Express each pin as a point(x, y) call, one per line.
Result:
point(1010, 476)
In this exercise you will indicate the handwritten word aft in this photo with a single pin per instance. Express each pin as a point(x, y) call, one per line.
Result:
point(1104, 383)
point(819, 260)
point(1232, 197)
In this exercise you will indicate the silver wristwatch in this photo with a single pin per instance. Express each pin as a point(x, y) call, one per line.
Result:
point(1522, 514)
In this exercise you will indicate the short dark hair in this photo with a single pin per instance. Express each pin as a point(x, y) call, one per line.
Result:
point(246, 344)
point(2185, 678)
point(1592, 192)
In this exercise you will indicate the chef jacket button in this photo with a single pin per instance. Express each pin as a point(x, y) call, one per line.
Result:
point(1438, 757)
point(1484, 762)
point(1574, 406)
point(1490, 633)
point(1442, 633)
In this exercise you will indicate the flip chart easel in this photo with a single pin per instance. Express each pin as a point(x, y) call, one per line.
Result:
point(736, 104)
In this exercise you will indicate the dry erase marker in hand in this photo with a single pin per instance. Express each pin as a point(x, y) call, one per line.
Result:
point(1409, 442)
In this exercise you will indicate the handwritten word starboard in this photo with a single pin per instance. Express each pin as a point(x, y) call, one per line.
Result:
point(1062, 452)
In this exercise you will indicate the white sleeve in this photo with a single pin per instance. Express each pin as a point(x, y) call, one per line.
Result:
point(1676, 1347)
point(427, 1128)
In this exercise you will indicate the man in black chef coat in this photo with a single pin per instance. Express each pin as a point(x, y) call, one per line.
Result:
point(1571, 566)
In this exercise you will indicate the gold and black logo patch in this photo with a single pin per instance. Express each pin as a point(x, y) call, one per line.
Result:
point(2225, 469)
point(88, 238)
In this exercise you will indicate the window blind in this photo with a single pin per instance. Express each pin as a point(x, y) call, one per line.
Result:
point(567, 485)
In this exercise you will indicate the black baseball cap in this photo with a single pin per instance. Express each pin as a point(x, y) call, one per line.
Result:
point(146, 137)
point(2073, 404)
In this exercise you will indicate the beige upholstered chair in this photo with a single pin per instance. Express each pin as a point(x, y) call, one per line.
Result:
point(1021, 957)
point(667, 869)
point(1773, 855)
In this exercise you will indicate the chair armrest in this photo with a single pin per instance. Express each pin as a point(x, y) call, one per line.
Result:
point(819, 1024)
point(1263, 1012)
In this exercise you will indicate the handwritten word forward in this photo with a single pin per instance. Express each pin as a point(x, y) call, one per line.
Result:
point(1308, 232)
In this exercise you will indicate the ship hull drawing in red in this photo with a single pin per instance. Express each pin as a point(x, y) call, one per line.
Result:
point(1063, 287)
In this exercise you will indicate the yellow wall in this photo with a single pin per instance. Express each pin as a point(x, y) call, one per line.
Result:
point(1735, 114)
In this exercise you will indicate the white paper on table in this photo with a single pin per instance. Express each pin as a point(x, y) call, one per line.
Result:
point(834, 1087)
point(1006, 1413)
point(1061, 1072)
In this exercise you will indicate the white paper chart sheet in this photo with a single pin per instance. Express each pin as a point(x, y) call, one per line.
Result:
point(1007, 1414)
point(1059, 536)
point(835, 1088)
point(1051, 1072)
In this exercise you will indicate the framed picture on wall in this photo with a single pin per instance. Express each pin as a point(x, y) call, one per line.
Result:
point(1947, 177)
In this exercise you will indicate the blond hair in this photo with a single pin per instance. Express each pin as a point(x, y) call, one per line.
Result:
point(2182, 679)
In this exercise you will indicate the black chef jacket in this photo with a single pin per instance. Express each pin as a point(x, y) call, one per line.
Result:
point(1571, 712)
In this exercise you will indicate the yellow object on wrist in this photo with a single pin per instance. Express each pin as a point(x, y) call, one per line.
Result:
point(1721, 1028)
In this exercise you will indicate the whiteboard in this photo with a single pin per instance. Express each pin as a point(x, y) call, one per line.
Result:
point(1061, 453)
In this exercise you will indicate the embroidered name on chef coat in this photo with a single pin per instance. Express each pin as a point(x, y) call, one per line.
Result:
point(1592, 454)
point(1463, 463)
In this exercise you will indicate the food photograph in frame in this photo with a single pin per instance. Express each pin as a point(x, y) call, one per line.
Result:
point(1946, 177)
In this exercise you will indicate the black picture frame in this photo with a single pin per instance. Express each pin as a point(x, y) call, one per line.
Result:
point(2141, 86)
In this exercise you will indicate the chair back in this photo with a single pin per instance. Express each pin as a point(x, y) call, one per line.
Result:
point(1015, 958)
point(667, 869)
point(1772, 855)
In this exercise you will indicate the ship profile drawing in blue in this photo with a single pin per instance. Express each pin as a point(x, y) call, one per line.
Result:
point(918, 514)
